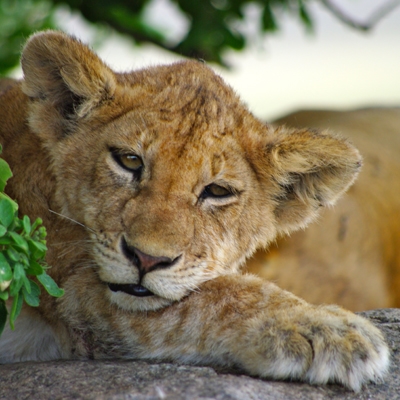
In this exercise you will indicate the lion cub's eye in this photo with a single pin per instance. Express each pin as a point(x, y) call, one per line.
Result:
point(216, 191)
point(130, 162)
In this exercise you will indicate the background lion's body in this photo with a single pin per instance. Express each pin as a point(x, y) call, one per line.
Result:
point(351, 254)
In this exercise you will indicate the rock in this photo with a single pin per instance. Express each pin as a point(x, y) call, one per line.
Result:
point(139, 380)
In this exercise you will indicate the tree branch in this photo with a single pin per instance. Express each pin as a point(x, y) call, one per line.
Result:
point(372, 21)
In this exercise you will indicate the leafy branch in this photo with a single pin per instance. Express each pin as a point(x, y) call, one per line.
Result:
point(213, 26)
point(22, 252)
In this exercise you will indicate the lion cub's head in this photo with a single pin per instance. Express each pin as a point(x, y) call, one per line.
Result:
point(176, 181)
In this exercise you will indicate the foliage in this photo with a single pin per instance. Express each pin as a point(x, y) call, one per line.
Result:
point(212, 23)
point(22, 252)
point(18, 19)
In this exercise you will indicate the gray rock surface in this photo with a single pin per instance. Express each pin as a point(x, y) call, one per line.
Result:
point(130, 380)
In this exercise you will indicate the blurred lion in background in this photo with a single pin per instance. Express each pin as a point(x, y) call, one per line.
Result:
point(351, 255)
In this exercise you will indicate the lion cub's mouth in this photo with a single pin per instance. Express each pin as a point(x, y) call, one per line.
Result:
point(132, 289)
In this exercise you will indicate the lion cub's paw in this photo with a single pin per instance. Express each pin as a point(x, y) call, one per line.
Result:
point(326, 344)
point(347, 349)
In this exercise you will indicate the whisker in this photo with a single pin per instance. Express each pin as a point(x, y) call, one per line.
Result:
point(139, 127)
point(70, 242)
point(206, 264)
point(67, 246)
point(72, 220)
point(68, 251)
point(194, 289)
point(86, 266)
point(144, 123)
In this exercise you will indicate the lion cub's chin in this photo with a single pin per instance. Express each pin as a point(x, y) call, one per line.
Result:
point(129, 302)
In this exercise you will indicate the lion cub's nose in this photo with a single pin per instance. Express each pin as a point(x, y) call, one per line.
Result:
point(146, 262)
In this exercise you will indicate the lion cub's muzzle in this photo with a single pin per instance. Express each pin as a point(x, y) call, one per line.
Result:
point(145, 263)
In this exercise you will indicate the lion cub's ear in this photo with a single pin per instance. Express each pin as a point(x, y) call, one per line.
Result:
point(309, 170)
point(65, 74)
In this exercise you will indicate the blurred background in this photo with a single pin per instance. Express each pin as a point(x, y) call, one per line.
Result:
point(279, 55)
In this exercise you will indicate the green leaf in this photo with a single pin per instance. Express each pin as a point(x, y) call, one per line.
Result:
point(19, 272)
point(38, 249)
point(50, 286)
point(305, 17)
point(3, 316)
point(13, 254)
point(12, 202)
point(24, 260)
point(5, 240)
point(5, 269)
point(3, 230)
point(6, 212)
point(32, 298)
point(15, 309)
point(42, 233)
point(26, 286)
point(26, 223)
point(5, 174)
point(34, 268)
point(20, 242)
point(269, 23)
point(19, 275)
point(37, 223)
point(15, 287)
point(4, 296)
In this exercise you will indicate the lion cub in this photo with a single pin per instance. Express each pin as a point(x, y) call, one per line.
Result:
point(155, 187)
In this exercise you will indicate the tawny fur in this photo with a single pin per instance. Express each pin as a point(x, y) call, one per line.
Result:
point(351, 254)
point(61, 128)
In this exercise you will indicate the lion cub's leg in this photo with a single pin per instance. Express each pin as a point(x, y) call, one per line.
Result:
point(32, 340)
point(243, 321)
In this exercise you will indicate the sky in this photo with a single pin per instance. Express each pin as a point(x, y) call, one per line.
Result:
point(336, 67)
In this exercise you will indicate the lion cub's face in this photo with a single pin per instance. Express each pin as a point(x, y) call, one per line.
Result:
point(165, 188)
point(169, 204)
point(174, 179)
